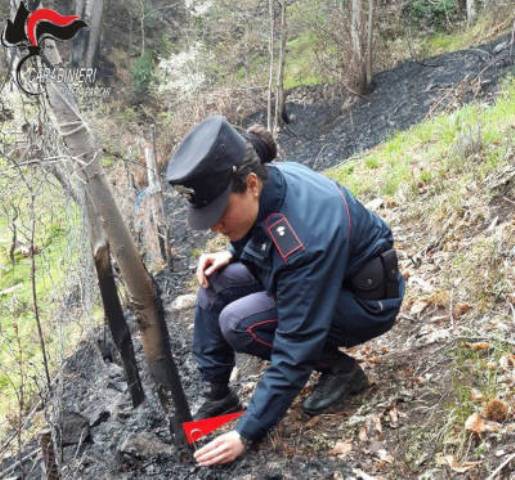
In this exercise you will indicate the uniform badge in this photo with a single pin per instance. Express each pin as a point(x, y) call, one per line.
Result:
point(283, 235)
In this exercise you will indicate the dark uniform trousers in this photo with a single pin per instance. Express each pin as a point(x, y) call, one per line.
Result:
point(235, 314)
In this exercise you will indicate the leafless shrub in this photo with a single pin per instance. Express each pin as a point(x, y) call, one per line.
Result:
point(469, 142)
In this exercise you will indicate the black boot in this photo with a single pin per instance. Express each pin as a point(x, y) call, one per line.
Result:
point(220, 399)
point(342, 378)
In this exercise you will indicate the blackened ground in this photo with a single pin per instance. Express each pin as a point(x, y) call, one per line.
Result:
point(124, 443)
point(323, 135)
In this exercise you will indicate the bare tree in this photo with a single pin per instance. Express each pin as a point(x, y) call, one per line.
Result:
point(87, 41)
point(32, 253)
point(156, 199)
point(271, 42)
point(471, 12)
point(279, 87)
point(84, 149)
point(370, 36)
point(358, 60)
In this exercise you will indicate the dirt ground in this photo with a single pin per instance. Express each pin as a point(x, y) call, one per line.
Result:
point(384, 433)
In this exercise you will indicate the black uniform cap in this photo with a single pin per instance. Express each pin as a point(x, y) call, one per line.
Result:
point(202, 167)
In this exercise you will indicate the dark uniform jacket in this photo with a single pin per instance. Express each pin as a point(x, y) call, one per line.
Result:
point(311, 234)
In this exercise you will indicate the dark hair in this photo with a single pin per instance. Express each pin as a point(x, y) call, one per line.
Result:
point(261, 149)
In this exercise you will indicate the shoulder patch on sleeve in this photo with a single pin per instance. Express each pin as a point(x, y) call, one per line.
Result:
point(283, 235)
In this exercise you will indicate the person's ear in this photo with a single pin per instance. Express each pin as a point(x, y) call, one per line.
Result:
point(253, 184)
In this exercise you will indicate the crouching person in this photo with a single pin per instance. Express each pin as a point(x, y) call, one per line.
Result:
point(309, 270)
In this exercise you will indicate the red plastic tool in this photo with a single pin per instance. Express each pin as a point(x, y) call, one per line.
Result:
point(197, 429)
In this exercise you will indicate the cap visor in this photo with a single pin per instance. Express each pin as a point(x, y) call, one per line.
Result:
point(205, 217)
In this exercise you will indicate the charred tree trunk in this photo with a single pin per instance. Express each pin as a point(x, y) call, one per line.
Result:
point(143, 294)
point(112, 306)
point(49, 464)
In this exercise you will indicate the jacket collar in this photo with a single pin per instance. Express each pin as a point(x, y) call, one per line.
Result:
point(272, 194)
point(271, 200)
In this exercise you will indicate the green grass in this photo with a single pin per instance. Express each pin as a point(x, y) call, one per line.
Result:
point(430, 149)
point(471, 371)
point(485, 29)
point(300, 67)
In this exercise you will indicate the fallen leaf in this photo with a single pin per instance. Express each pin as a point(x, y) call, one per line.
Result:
point(341, 449)
point(374, 359)
point(361, 475)
point(478, 346)
point(475, 423)
point(460, 309)
point(418, 307)
point(496, 410)
point(383, 455)
point(492, 426)
point(374, 422)
point(440, 298)
point(363, 434)
point(393, 413)
point(312, 422)
point(375, 204)
point(459, 467)
point(507, 362)
point(475, 395)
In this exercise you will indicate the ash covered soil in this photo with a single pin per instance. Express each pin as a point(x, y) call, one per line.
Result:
point(376, 430)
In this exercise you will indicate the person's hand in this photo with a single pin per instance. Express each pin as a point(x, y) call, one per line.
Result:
point(209, 263)
point(223, 449)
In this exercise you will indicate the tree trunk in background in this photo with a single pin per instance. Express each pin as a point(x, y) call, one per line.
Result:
point(143, 294)
point(156, 199)
point(112, 306)
point(95, 29)
point(279, 90)
point(85, 43)
point(12, 54)
point(358, 64)
point(471, 12)
point(271, 72)
point(370, 36)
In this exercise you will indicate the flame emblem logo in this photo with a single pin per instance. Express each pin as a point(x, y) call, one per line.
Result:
point(29, 29)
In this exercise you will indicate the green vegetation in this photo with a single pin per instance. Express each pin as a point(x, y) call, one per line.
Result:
point(475, 376)
point(21, 360)
point(434, 150)
point(444, 175)
point(142, 72)
point(483, 30)
point(437, 13)
point(300, 67)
